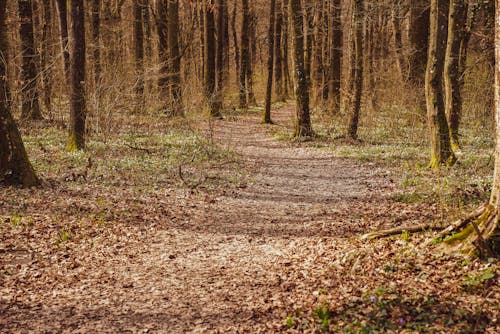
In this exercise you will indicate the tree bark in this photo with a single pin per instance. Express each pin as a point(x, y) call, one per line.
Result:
point(210, 66)
point(278, 64)
point(303, 126)
point(46, 56)
point(175, 58)
point(336, 55)
point(163, 55)
point(15, 167)
point(453, 78)
point(77, 101)
point(139, 54)
point(29, 92)
point(270, 62)
point(398, 42)
point(441, 152)
point(245, 54)
point(220, 55)
point(356, 68)
point(96, 25)
point(418, 39)
point(62, 11)
point(237, 60)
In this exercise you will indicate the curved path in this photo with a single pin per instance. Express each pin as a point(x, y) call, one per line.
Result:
point(236, 261)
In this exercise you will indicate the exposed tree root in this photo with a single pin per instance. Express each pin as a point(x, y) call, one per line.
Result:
point(426, 227)
point(475, 235)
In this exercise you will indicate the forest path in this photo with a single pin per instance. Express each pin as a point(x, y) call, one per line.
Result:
point(237, 260)
point(242, 259)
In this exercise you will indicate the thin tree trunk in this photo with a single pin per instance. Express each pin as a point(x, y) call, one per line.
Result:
point(398, 42)
point(96, 25)
point(220, 55)
point(46, 56)
point(287, 81)
point(77, 101)
point(356, 68)
point(163, 56)
point(452, 75)
point(245, 55)
point(418, 39)
point(210, 66)
point(317, 53)
point(336, 57)
point(62, 11)
point(303, 126)
point(139, 55)
point(441, 152)
point(270, 62)
point(278, 66)
point(175, 58)
point(236, 47)
point(29, 92)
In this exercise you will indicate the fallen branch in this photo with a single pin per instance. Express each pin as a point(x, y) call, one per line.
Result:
point(399, 230)
point(139, 148)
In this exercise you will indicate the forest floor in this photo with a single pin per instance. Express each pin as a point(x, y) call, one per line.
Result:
point(265, 240)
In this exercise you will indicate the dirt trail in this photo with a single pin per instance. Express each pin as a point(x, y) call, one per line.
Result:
point(237, 262)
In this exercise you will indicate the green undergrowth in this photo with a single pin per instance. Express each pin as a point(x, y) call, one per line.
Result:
point(395, 138)
point(144, 153)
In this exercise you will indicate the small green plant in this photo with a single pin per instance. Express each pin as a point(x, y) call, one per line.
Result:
point(324, 315)
point(406, 236)
point(480, 278)
point(291, 321)
point(63, 236)
point(15, 220)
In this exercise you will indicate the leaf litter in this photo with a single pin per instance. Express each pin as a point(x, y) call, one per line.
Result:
point(266, 241)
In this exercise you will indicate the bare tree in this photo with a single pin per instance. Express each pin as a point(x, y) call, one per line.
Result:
point(15, 167)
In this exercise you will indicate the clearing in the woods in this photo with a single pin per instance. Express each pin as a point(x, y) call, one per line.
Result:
point(265, 241)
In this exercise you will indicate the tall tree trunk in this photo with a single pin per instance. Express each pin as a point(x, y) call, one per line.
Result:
point(29, 91)
point(270, 62)
point(77, 101)
point(245, 54)
point(220, 55)
point(336, 55)
point(15, 167)
point(356, 68)
point(210, 66)
point(237, 60)
point(175, 58)
point(139, 55)
point(308, 13)
point(226, 42)
point(163, 55)
point(252, 49)
point(46, 56)
point(317, 52)
point(398, 42)
point(482, 236)
point(96, 25)
point(62, 11)
point(303, 126)
point(441, 152)
point(452, 75)
point(418, 39)
point(278, 66)
point(287, 81)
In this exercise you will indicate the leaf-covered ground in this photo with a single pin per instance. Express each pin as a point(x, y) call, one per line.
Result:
point(173, 231)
